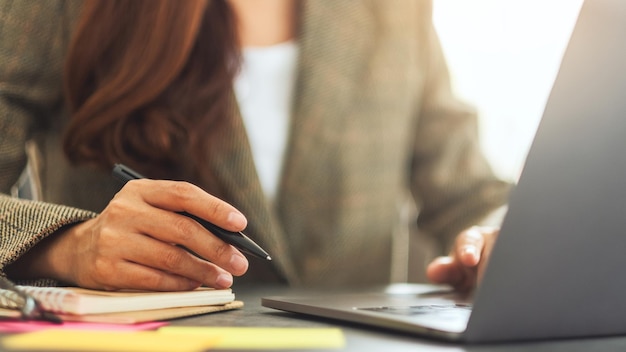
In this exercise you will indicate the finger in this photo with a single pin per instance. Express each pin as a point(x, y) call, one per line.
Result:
point(491, 235)
point(469, 246)
point(139, 277)
point(447, 270)
point(180, 196)
point(149, 252)
point(444, 270)
point(169, 227)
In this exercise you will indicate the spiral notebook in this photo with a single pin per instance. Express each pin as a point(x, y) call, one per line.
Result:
point(125, 307)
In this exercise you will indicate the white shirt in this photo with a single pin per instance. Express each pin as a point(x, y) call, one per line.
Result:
point(264, 90)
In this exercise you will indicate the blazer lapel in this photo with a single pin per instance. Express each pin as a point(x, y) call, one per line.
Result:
point(326, 81)
point(235, 171)
point(335, 40)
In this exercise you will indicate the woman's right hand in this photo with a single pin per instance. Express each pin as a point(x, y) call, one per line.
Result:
point(137, 242)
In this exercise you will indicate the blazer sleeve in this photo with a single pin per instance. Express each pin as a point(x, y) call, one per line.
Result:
point(33, 36)
point(452, 182)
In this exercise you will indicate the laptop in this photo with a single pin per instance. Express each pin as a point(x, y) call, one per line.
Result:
point(558, 268)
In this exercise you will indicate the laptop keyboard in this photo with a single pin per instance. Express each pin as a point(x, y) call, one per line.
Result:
point(430, 309)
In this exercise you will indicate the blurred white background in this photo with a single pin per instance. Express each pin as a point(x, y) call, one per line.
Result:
point(503, 57)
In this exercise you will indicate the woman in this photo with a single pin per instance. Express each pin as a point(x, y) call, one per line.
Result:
point(157, 85)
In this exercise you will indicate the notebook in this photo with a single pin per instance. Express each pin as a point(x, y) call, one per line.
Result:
point(126, 307)
point(557, 268)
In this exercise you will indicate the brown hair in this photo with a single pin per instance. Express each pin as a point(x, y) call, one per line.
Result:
point(148, 82)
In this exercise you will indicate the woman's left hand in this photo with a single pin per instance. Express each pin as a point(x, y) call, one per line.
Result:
point(465, 265)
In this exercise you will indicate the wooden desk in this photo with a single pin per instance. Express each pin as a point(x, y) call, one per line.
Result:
point(361, 338)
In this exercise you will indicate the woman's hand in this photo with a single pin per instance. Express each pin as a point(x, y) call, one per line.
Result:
point(465, 265)
point(137, 242)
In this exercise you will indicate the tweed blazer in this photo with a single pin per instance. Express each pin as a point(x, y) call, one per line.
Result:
point(373, 121)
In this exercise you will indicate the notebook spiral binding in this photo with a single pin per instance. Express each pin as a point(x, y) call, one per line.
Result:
point(11, 300)
point(50, 298)
point(13, 297)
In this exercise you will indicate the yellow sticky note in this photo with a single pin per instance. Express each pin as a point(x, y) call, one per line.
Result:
point(81, 340)
point(263, 338)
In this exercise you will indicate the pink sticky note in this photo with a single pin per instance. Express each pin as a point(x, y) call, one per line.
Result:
point(29, 326)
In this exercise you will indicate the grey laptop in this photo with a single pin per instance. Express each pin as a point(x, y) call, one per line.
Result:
point(558, 269)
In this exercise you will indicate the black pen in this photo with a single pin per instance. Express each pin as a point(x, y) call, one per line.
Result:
point(238, 239)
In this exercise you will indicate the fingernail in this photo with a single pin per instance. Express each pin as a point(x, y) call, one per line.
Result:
point(224, 280)
point(238, 263)
point(237, 219)
point(470, 250)
point(473, 254)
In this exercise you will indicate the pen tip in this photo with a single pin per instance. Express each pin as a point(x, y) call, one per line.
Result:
point(268, 258)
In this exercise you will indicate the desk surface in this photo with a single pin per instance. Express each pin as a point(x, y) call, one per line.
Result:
point(361, 338)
